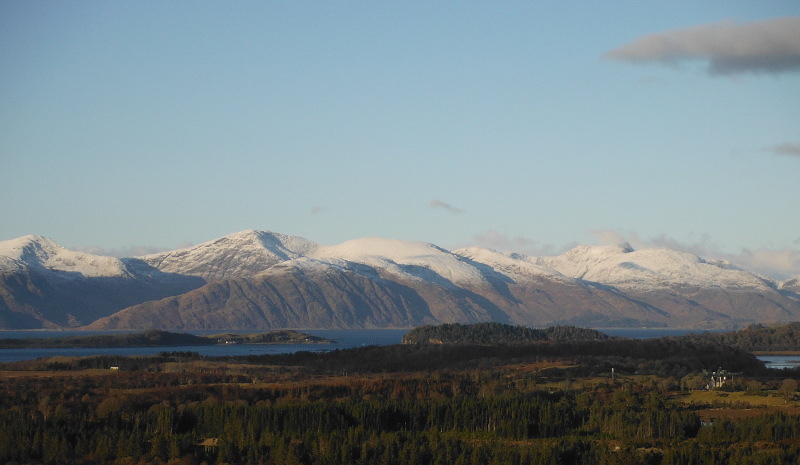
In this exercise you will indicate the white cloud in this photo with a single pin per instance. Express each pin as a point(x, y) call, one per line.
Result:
point(438, 204)
point(769, 46)
point(608, 237)
point(702, 248)
point(783, 263)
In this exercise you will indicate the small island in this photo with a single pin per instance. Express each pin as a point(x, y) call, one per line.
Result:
point(286, 336)
point(498, 333)
point(158, 338)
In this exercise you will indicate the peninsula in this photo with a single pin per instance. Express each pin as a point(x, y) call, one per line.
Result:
point(157, 338)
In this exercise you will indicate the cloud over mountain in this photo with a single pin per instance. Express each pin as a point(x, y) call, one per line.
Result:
point(122, 252)
point(496, 240)
point(782, 263)
point(769, 46)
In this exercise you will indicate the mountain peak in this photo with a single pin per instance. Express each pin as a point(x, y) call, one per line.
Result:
point(583, 252)
point(241, 254)
point(791, 285)
point(375, 281)
point(623, 266)
point(28, 247)
point(516, 265)
point(34, 251)
point(412, 258)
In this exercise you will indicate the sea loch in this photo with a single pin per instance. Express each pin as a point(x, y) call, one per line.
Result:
point(345, 339)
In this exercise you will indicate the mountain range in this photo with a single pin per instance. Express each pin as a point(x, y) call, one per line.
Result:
point(264, 280)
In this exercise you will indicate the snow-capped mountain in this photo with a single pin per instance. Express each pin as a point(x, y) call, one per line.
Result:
point(515, 266)
point(44, 285)
point(43, 254)
point(684, 285)
point(791, 287)
point(374, 282)
point(403, 259)
point(651, 268)
point(238, 255)
point(258, 279)
point(792, 282)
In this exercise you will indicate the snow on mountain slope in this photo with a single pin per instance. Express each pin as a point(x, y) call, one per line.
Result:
point(238, 255)
point(41, 253)
point(791, 285)
point(515, 266)
point(402, 258)
point(625, 267)
point(372, 282)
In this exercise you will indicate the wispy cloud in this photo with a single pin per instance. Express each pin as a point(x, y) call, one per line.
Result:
point(779, 264)
point(492, 239)
point(782, 263)
point(438, 204)
point(784, 149)
point(126, 252)
point(770, 46)
point(705, 247)
point(317, 209)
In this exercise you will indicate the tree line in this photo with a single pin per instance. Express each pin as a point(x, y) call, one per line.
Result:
point(476, 416)
point(497, 333)
point(757, 338)
point(509, 403)
point(754, 338)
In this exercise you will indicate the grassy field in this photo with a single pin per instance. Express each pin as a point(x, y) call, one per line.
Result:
point(768, 399)
point(731, 405)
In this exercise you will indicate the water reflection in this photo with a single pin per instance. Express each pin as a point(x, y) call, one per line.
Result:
point(345, 339)
point(781, 362)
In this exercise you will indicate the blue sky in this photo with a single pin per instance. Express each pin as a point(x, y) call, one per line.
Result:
point(526, 126)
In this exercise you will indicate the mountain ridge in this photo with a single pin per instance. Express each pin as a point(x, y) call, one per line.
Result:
point(265, 280)
point(240, 254)
point(40, 252)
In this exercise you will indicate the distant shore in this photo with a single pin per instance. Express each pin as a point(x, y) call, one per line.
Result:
point(157, 338)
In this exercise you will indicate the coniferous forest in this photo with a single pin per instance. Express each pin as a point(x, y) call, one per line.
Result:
point(556, 401)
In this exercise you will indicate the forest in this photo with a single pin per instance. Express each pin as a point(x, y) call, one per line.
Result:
point(497, 333)
point(753, 338)
point(562, 401)
point(758, 338)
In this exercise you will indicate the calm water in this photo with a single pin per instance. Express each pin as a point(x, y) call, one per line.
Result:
point(345, 339)
point(780, 362)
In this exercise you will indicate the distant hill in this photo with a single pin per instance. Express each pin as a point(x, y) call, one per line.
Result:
point(758, 338)
point(497, 333)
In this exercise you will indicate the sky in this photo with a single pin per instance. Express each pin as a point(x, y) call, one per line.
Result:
point(135, 127)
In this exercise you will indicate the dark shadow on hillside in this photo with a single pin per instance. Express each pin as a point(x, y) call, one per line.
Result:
point(495, 313)
point(69, 299)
